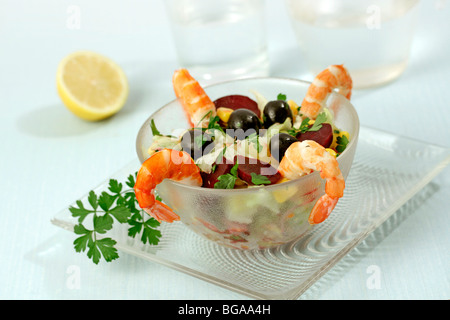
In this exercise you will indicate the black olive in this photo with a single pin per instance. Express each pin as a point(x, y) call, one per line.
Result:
point(276, 111)
point(279, 143)
point(196, 143)
point(243, 122)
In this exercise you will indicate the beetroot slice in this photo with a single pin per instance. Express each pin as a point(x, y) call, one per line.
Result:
point(248, 166)
point(210, 179)
point(235, 102)
point(323, 136)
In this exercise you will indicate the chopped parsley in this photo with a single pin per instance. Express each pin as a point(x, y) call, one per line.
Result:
point(228, 180)
point(321, 118)
point(208, 114)
point(281, 96)
point(258, 179)
point(304, 126)
point(214, 123)
point(342, 142)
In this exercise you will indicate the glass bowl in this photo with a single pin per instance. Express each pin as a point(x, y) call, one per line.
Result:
point(257, 217)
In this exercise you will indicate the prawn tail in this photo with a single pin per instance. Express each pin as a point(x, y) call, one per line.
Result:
point(162, 212)
point(322, 209)
point(333, 77)
point(196, 103)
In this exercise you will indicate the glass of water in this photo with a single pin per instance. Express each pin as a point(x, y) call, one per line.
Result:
point(220, 40)
point(372, 38)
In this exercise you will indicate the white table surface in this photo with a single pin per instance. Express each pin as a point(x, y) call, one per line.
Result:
point(49, 158)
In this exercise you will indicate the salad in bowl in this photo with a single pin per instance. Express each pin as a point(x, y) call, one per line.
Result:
point(250, 163)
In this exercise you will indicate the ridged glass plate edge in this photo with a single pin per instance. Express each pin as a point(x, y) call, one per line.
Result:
point(296, 292)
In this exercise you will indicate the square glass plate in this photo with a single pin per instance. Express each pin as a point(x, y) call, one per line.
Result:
point(387, 171)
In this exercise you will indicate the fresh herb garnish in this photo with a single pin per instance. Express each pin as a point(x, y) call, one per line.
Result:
point(321, 118)
point(214, 123)
point(119, 206)
point(208, 114)
point(341, 142)
point(258, 179)
point(155, 131)
point(305, 126)
point(281, 96)
point(228, 180)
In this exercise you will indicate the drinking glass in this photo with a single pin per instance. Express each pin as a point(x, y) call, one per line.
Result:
point(221, 39)
point(372, 38)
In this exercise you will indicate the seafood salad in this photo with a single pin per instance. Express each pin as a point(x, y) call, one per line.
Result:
point(238, 142)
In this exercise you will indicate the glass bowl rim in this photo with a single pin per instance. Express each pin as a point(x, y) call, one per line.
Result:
point(250, 189)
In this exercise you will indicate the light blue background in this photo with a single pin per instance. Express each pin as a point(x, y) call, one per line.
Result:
point(49, 158)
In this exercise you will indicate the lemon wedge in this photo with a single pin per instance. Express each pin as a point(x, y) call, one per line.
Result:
point(91, 86)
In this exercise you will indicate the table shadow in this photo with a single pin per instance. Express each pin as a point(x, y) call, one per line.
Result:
point(53, 121)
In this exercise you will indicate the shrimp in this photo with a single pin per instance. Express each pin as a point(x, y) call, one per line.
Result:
point(334, 77)
point(164, 164)
point(197, 105)
point(304, 157)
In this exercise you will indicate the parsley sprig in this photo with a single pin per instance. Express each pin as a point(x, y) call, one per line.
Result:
point(341, 142)
point(116, 205)
point(212, 124)
point(228, 180)
point(304, 126)
point(281, 96)
point(258, 179)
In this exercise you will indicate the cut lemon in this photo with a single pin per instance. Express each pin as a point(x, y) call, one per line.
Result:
point(90, 85)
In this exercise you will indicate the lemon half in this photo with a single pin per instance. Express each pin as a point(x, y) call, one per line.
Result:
point(91, 86)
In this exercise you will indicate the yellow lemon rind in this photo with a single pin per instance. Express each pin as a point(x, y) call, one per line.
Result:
point(79, 108)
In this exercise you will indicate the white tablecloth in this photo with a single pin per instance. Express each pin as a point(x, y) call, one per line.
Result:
point(49, 158)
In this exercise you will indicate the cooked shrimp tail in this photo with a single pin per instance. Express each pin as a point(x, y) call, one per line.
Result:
point(304, 157)
point(162, 212)
point(334, 77)
point(322, 209)
point(165, 164)
point(197, 105)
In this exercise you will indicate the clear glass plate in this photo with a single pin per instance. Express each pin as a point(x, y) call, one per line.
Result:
point(387, 171)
